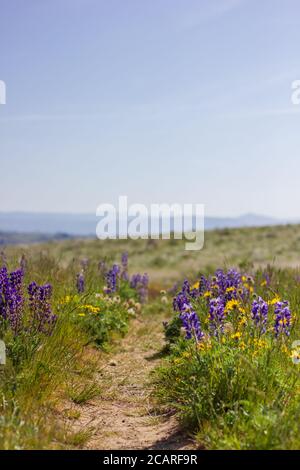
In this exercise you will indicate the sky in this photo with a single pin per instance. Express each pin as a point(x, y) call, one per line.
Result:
point(165, 101)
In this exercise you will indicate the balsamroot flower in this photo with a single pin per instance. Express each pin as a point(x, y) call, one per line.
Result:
point(282, 318)
point(43, 320)
point(259, 313)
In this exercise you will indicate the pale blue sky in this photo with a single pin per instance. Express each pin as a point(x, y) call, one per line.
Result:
point(161, 100)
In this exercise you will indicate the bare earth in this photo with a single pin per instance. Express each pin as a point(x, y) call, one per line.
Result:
point(124, 416)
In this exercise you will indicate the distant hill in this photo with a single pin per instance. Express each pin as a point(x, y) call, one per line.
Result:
point(48, 223)
point(27, 227)
point(246, 220)
point(16, 238)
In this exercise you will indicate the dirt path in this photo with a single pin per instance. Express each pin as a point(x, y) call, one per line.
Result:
point(124, 416)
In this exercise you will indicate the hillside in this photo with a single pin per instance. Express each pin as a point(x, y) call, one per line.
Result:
point(166, 261)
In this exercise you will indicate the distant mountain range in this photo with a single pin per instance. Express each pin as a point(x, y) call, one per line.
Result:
point(29, 226)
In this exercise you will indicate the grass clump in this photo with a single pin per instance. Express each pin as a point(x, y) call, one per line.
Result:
point(232, 372)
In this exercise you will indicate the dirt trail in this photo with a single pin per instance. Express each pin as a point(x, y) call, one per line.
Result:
point(124, 416)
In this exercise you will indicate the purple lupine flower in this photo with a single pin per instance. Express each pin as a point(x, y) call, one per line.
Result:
point(135, 280)
point(140, 284)
point(267, 278)
point(173, 289)
point(80, 283)
point(223, 281)
point(234, 278)
point(143, 289)
point(15, 303)
point(182, 298)
point(11, 298)
point(259, 313)
point(204, 284)
point(4, 291)
point(282, 318)
point(124, 261)
point(180, 301)
point(220, 282)
point(186, 287)
point(43, 319)
point(112, 279)
point(217, 315)
point(191, 323)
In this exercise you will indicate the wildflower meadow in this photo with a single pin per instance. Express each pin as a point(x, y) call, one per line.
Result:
point(110, 345)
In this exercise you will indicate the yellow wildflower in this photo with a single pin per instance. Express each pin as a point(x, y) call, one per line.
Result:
point(236, 335)
point(66, 300)
point(91, 308)
point(186, 354)
point(177, 361)
point(196, 285)
point(249, 287)
point(207, 293)
point(260, 343)
point(274, 300)
point(230, 289)
point(284, 349)
point(232, 304)
point(204, 345)
point(242, 321)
